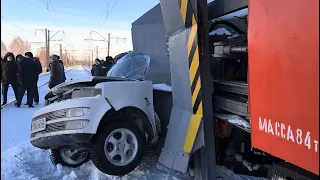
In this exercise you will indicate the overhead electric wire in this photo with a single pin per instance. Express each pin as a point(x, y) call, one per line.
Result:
point(108, 15)
point(14, 24)
point(46, 5)
point(54, 12)
point(105, 10)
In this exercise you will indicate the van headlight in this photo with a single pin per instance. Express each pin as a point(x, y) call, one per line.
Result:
point(77, 112)
point(76, 124)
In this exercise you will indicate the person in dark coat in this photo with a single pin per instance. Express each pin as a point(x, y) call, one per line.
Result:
point(39, 71)
point(103, 62)
point(19, 57)
point(109, 63)
point(97, 69)
point(28, 76)
point(2, 62)
point(61, 62)
point(9, 76)
point(57, 75)
point(104, 68)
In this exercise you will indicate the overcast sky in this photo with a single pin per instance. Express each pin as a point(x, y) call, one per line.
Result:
point(76, 18)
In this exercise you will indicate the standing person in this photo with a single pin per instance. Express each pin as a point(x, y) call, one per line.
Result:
point(38, 72)
point(61, 62)
point(19, 57)
point(96, 69)
point(109, 62)
point(57, 75)
point(2, 62)
point(28, 76)
point(104, 68)
point(9, 76)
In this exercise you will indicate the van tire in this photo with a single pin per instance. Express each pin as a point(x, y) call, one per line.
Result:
point(100, 144)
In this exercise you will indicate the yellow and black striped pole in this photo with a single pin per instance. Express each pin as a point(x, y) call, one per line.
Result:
point(185, 25)
point(189, 19)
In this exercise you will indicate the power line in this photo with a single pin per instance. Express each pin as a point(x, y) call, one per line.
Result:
point(14, 24)
point(46, 5)
point(54, 12)
point(106, 9)
point(103, 39)
point(108, 14)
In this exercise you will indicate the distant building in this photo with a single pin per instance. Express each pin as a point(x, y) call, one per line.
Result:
point(149, 37)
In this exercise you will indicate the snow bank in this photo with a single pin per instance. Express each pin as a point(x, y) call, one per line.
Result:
point(162, 87)
point(27, 162)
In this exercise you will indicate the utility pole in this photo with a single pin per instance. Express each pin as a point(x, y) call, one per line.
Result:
point(48, 50)
point(45, 31)
point(50, 39)
point(108, 44)
point(47, 43)
point(92, 56)
point(97, 55)
point(108, 40)
point(60, 50)
point(69, 60)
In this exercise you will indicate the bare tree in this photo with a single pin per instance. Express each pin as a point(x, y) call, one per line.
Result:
point(18, 46)
point(4, 49)
point(27, 46)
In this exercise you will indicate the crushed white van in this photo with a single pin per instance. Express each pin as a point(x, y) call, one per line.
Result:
point(107, 119)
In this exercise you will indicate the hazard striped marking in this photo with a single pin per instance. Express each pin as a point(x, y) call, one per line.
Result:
point(194, 73)
point(192, 132)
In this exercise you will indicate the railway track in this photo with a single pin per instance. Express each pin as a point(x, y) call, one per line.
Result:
point(14, 100)
point(86, 68)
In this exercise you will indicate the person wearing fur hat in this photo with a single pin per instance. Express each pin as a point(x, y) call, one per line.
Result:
point(9, 73)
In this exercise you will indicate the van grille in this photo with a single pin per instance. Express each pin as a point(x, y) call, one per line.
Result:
point(52, 115)
point(59, 126)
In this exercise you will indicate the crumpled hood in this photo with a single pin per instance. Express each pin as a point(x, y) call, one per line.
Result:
point(82, 80)
point(89, 81)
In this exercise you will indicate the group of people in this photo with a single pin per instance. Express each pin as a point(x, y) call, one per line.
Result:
point(22, 73)
point(101, 67)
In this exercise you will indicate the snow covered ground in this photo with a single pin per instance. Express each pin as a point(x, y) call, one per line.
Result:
point(20, 160)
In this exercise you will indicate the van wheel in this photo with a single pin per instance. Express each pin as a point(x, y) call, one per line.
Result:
point(69, 157)
point(117, 149)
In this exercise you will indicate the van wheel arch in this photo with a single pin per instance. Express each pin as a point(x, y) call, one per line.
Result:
point(132, 114)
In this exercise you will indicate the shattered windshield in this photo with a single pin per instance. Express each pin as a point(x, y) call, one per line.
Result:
point(134, 65)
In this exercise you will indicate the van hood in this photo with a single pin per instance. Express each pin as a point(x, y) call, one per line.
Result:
point(84, 82)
